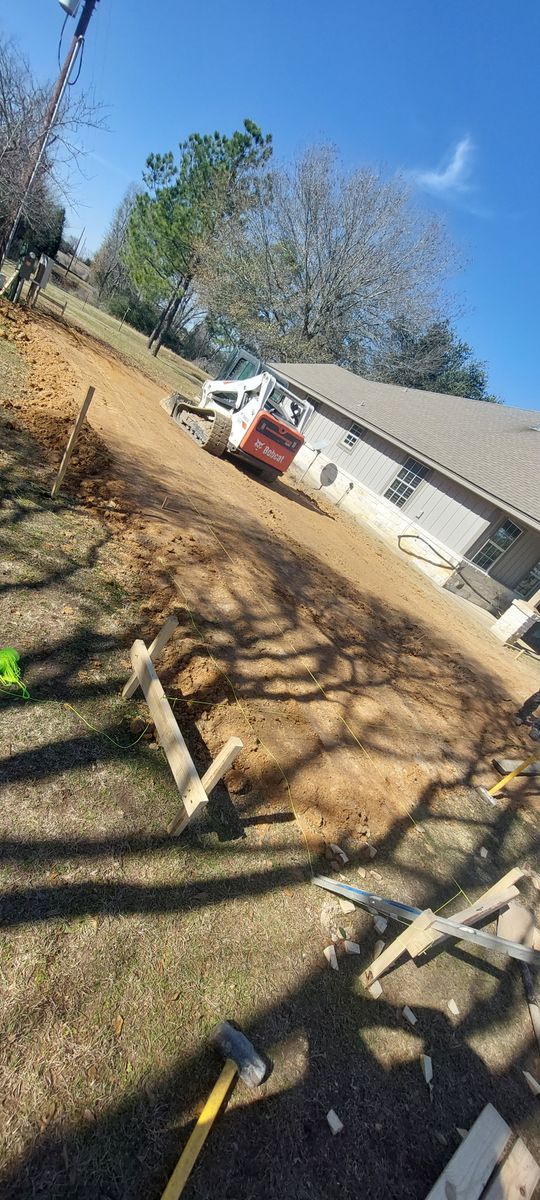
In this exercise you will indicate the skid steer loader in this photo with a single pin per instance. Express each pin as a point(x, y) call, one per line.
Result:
point(257, 419)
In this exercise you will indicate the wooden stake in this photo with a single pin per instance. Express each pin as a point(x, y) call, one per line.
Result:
point(71, 443)
point(217, 769)
point(158, 644)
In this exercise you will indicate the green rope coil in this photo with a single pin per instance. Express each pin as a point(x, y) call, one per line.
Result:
point(10, 672)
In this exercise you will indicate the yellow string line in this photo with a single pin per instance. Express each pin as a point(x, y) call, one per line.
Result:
point(102, 733)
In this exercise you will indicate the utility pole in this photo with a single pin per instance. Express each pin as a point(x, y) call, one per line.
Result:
point(52, 113)
point(68, 268)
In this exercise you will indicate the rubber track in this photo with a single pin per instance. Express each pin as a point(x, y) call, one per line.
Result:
point(211, 431)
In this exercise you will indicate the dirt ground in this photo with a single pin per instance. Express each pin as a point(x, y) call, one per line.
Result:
point(369, 705)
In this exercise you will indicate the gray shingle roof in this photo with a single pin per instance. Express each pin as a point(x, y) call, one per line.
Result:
point(491, 447)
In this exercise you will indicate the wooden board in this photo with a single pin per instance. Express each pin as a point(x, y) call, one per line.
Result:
point(489, 902)
point(178, 757)
point(517, 1178)
point(217, 769)
point(505, 765)
point(158, 644)
point(469, 1169)
point(517, 924)
point(396, 948)
point(222, 763)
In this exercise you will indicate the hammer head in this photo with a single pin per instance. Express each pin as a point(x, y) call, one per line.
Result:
point(483, 792)
point(232, 1043)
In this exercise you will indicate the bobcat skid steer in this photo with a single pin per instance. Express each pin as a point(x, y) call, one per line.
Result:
point(256, 419)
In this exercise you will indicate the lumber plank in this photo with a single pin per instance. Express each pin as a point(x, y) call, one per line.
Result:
point(217, 769)
point(221, 764)
point(517, 924)
point(154, 650)
point(468, 1171)
point(447, 927)
point(396, 948)
point(505, 765)
point(484, 907)
point(178, 757)
point(517, 1178)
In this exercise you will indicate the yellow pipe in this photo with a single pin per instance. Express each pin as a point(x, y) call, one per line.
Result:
point(194, 1145)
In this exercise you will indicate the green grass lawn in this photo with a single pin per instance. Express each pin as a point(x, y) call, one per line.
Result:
point(168, 369)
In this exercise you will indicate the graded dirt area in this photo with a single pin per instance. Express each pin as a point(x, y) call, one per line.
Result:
point(368, 704)
point(368, 689)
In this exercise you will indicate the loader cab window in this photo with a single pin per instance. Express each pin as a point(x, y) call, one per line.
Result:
point(287, 406)
point(243, 369)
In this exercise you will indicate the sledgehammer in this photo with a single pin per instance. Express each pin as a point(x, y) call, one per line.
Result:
point(241, 1059)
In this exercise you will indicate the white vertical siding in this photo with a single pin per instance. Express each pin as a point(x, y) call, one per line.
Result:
point(519, 559)
point(452, 514)
point(325, 426)
point(372, 461)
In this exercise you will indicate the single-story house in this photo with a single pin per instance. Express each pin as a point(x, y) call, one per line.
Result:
point(455, 481)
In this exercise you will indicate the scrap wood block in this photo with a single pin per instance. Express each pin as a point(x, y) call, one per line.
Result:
point(474, 1161)
point(517, 1178)
point(517, 924)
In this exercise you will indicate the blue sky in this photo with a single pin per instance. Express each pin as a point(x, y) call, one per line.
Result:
point(446, 90)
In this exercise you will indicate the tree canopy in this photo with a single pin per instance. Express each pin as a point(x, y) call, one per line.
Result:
point(182, 206)
point(323, 261)
point(435, 360)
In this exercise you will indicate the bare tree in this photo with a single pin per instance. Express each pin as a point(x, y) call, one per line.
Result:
point(323, 262)
point(108, 272)
point(23, 104)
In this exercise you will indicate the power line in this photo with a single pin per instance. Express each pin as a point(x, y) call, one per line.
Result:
point(51, 115)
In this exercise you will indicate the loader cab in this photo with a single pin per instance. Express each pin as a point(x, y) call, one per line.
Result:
point(242, 365)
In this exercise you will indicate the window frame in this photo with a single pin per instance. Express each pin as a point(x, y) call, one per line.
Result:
point(490, 541)
point(403, 487)
point(351, 432)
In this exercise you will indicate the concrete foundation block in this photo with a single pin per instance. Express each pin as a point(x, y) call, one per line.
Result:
point(516, 621)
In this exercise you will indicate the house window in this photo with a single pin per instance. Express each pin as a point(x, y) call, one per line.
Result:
point(530, 582)
point(352, 436)
point(500, 540)
point(407, 479)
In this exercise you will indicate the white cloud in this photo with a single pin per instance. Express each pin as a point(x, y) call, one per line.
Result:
point(452, 177)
